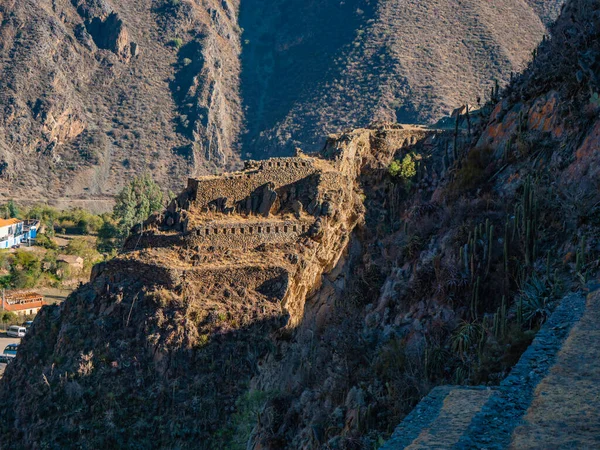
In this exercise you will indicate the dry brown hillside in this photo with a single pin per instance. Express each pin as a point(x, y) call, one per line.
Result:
point(360, 60)
point(94, 91)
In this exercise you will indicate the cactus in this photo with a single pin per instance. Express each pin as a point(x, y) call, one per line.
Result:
point(520, 311)
point(482, 337)
point(504, 322)
point(506, 249)
point(580, 258)
point(489, 249)
point(468, 122)
point(475, 299)
point(455, 148)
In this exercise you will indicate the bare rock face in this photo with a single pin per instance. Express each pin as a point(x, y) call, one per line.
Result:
point(93, 92)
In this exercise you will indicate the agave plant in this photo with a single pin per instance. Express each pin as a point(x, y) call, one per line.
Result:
point(465, 336)
point(534, 301)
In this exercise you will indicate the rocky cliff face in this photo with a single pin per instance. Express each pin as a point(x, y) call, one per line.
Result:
point(94, 92)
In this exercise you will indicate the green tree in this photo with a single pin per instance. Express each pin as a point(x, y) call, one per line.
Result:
point(82, 247)
point(108, 236)
point(13, 210)
point(8, 317)
point(25, 269)
point(136, 202)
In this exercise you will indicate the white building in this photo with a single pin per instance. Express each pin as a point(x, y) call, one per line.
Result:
point(11, 232)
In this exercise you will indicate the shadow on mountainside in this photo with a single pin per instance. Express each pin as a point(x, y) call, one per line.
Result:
point(122, 366)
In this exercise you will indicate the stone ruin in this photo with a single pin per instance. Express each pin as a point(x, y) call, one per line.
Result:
point(273, 201)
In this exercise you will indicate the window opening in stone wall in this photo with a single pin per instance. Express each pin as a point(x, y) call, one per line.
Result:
point(250, 230)
point(259, 230)
point(268, 229)
point(295, 228)
point(285, 229)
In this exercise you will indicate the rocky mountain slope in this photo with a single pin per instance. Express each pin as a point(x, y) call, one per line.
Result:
point(180, 323)
point(93, 92)
point(312, 68)
point(96, 91)
point(310, 302)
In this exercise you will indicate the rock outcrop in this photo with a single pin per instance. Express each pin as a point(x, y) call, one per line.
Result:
point(148, 353)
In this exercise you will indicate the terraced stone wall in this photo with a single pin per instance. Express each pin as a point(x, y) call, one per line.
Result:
point(248, 234)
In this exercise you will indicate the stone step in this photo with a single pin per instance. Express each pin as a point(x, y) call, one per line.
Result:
point(493, 426)
point(440, 419)
point(454, 417)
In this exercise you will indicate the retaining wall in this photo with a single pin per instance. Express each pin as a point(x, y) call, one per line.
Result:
point(248, 234)
point(239, 186)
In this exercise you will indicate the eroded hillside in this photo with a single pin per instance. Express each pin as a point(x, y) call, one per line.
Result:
point(95, 92)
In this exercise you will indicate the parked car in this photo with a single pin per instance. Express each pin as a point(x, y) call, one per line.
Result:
point(10, 351)
point(28, 324)
point(16, 331)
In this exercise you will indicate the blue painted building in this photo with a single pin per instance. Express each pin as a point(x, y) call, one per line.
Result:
point(14, 232)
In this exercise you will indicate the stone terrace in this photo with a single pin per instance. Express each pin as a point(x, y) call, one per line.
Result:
point(549, 400)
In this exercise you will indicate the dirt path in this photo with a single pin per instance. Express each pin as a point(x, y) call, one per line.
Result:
point(565, 411)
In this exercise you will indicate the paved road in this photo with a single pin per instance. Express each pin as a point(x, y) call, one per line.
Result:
point(4, 341)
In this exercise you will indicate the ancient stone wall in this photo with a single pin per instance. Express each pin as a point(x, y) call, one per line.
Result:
point(239, 186)
point(248, 234)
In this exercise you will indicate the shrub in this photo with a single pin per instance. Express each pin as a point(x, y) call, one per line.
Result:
point(405, 169)
point(44, 241)
point(176, 42)
point(465, 337)
point(534, 301)
point(474, 169)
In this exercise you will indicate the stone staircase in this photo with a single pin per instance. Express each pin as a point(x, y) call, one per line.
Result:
point(551, 399)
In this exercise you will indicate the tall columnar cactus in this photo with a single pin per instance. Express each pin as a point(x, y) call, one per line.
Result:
point(455, 148)
point(528, 222)
point(506, 255)
point(490, 244)
point(475, 299)
point(580, 257)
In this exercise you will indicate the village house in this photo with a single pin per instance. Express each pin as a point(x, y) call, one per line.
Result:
point(22, 303)
point(14, 232)
point(69, 265)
